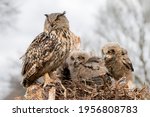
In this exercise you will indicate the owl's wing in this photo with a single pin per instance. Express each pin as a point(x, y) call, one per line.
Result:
point(37, 54)
point(38, 39)
point(94, 59)
point(93, 63)
point(127, 62)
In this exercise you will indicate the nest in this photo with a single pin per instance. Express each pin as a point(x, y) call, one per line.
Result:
point(118, 90)
point(86, 90)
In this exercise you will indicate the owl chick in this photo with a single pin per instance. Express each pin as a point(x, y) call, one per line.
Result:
point(48, 50)
point(84, 67)
point(117, 62)
point(74, 61)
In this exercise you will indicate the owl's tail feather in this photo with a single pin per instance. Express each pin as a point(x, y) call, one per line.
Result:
point(29, 76)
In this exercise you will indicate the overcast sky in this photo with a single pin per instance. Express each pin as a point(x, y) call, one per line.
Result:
point(30, 21)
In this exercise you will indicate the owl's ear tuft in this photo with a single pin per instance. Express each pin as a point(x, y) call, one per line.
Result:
point(64, 13)
point(60, 14)
point(46, 15)
point(124, 51)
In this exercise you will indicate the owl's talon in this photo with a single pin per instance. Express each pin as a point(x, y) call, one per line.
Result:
point(48, 82)
point(65, 90)
point(50, 85)
point(49, 90)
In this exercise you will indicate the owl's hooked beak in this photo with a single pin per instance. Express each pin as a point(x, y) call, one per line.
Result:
point(106, 57)
point(64, 13)
point(75, 64)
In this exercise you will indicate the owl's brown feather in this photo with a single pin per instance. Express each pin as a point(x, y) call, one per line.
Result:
point(127, 62)
point(31, 56)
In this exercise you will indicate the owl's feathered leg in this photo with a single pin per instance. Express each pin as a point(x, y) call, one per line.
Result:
point(48, 81)
point(65, 90)
point(130, 84)
point(59, 81)
point(49, 86)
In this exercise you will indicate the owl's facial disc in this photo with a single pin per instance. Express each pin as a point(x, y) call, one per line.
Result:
point(109, 55)
point(56, 21)
point(77, 62)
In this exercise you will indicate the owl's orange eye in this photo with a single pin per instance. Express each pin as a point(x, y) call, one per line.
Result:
point(112, 51)
point(81, 58)
point(52, 25)
point(72, 58)
point(109, 52)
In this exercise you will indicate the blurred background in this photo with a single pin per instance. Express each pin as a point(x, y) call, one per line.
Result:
point(96, 22)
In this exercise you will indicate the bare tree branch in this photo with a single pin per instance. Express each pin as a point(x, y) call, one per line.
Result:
point(127, 22)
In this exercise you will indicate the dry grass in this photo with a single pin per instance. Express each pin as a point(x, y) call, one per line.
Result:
point(88, 90)
point(77, 90)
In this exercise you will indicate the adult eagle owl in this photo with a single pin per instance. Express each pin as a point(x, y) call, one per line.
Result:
point(48, 50)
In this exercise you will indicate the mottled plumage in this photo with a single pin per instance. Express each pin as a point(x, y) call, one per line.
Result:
point(49, 49)
point(86, 68)
point(117, 61)
point(75, 59)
